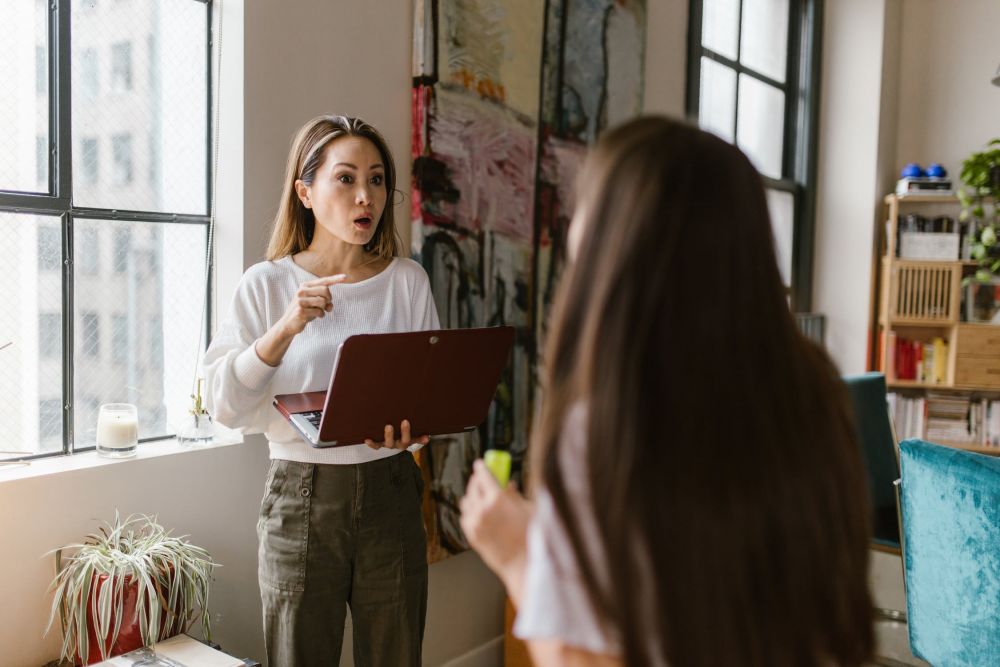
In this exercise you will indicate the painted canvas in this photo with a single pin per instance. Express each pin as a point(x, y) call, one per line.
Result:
point(507, 94)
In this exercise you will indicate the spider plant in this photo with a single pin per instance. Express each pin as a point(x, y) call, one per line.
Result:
point(170, 577)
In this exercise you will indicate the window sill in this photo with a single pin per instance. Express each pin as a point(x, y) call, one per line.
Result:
point(59, 464)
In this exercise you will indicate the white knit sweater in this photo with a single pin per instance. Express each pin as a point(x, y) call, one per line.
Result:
point(241, 386)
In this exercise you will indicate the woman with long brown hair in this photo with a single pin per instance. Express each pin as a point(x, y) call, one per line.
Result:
point(699, 496)
point(341, 526)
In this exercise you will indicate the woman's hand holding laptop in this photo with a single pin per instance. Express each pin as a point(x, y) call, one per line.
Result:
point(404, 438)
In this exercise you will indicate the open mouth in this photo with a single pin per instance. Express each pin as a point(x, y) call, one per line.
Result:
point(364, 222)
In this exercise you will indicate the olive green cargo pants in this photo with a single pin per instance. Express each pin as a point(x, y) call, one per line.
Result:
point(338, 535)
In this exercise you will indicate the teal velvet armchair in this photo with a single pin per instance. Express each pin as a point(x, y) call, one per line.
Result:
point(950, 502)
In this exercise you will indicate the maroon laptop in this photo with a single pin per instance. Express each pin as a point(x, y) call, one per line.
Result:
point(442, 381)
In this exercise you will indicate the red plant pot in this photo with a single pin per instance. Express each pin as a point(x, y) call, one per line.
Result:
point(129, 636)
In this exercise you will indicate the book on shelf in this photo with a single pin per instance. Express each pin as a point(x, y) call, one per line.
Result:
point(946, 418)
point(914, 361)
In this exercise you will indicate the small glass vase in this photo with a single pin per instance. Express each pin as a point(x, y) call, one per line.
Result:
point(196, 430)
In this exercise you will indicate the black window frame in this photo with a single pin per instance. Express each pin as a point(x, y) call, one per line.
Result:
point(57, 199)
point(800, 136)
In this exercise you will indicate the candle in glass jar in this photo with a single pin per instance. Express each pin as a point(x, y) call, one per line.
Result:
point(117, 430)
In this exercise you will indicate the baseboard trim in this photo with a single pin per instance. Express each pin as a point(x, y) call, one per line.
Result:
point(489, 654)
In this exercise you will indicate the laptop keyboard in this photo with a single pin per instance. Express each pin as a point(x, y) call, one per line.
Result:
point(313, 417)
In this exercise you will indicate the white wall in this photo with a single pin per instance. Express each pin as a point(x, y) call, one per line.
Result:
point(949, 53)
point(847, 189)
point(212, 495)
point(903, 80)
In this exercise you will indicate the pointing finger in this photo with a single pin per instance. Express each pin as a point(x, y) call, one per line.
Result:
point(326, 281)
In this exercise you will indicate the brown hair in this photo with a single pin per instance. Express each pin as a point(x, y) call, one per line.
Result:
point(294, 224)
point(720, 447)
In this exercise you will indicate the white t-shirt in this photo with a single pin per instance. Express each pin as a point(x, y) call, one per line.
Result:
point(241, 386)
point(554, 602)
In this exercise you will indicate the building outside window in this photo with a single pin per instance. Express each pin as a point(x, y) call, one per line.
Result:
point(41, 71)
point(88, 252)
point(49, 338)
point(121, 152)
point(121, 250)
point(90, 334)
point(121, 66)
point(89, 163)
point(118, 255)
point(89, 82)
point(49, 248)
point(119, 338)
point(41, 162)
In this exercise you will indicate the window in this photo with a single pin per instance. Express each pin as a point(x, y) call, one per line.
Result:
point(41, 71)
point(119, 338)
point(88, 154)
point(753, 79)
point(50, 411)
point(88, 82)
point(41, 161)
point(122, 246)
point(87, 252)
point(121, 66)
point(49, 248)
point(121, 151)
point(100, 262)
point(49, 328)
point(90, 334)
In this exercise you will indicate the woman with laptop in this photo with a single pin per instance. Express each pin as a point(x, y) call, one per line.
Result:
point(699, 495)
point(338, 526)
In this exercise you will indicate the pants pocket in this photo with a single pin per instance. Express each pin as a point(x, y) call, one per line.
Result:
point(283, 529)
point(418, 475)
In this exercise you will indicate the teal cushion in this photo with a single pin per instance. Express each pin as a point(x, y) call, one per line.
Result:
point(950, 501)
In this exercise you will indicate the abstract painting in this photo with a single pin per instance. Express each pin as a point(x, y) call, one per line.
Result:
point(507, 95)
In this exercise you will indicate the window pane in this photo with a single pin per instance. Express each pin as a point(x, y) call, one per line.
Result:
point(121, 66)
point(782, 208)
point(89, 165)
point(717, 99)
point(89, 78)
point(31, 321)
point(149, 117)
point(764, 40)
point(720, 21)
point(760, 124)
point(146, 313)
point(121, 153)
point(88, 257)
point(24, 96)
point(49, 246)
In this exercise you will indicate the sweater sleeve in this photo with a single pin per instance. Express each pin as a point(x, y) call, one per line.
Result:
point(424, 309)
point(237, 380)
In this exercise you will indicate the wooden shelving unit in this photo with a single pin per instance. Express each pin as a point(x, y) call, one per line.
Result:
point(921, 300)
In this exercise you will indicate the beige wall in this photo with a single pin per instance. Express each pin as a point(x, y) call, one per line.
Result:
point(949, 51)
point(847, 189)
point(903, 80)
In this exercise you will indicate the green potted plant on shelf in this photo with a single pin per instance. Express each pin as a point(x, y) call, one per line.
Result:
point(129, 585)
point(979, 198)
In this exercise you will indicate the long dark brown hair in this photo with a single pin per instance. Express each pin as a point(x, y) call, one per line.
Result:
point(720, 447)
point(293, 226)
